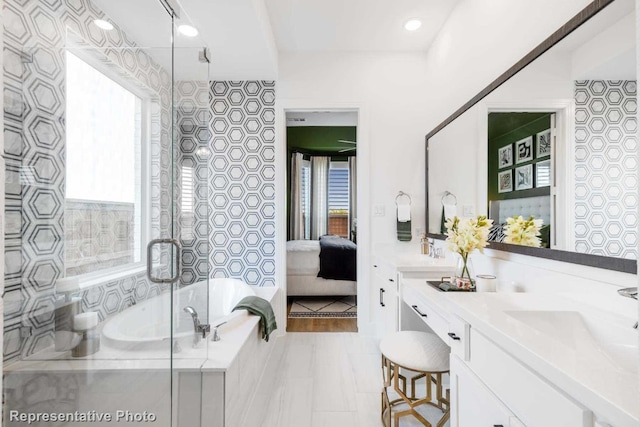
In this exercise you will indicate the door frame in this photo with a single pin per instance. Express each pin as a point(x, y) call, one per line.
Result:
point(363, 201)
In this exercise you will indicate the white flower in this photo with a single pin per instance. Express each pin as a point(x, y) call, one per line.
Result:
point(465, 236)
point(523, 232)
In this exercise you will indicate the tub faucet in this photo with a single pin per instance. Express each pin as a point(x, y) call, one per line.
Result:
point(200, 330)
point(630, 293)
point(216, 335)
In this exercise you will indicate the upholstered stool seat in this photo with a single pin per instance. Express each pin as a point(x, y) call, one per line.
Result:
point(418, 355)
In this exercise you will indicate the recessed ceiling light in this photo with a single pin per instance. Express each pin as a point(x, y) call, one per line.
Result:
point(105, 25)
point(188, 30)
point(412, 24)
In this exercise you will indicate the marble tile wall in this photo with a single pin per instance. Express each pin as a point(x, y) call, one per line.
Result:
point(606, 165)
point(35, 33)
point(242, 181)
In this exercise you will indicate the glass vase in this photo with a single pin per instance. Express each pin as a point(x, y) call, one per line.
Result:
point(464, 268)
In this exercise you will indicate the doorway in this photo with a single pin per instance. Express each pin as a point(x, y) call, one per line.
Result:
point(322, 221)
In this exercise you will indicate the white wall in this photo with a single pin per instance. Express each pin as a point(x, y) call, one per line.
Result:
point(409, 94)
point(393, 88)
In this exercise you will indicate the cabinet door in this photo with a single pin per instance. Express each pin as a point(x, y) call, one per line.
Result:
point(390, 308)
point(472, 403)
point(384, 301)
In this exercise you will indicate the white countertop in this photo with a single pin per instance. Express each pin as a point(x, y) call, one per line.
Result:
point(407, 258)
point(562, 350)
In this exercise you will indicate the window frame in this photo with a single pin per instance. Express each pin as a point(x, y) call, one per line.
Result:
point(114, 72)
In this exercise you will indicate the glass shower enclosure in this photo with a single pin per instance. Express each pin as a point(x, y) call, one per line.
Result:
point(106, 148)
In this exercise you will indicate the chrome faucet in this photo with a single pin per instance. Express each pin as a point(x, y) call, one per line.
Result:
point(432, 248)
point(630, 293)
point(200, 330)
point(433, 251)
point(216, 335)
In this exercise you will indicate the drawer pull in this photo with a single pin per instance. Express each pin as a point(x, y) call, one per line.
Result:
point(498, 425)
point(382, 291)
point(415, 307)
point(375, 266)
point(454, 336)
point(391, 280)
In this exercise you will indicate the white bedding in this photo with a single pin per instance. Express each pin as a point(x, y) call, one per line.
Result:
point(303, 266)
point(303, 257)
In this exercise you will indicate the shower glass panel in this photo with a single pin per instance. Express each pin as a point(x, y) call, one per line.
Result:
point(98, 164)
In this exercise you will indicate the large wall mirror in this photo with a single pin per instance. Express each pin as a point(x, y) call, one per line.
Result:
point(554, 138)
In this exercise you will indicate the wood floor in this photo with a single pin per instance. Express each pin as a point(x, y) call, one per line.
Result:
point(320, 324)
point(322, 380)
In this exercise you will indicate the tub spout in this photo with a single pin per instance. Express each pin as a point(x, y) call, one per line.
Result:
point(200, 330)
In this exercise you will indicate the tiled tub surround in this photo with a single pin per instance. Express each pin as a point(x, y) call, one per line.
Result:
point(226, 372)
point(193, 118)
point(227, 180)
point(242, 181)
point(34, 37)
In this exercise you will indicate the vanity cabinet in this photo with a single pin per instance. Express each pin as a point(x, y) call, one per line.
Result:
point(489, 387)
point(472, 403)
point(387, 273)
point(384, 298)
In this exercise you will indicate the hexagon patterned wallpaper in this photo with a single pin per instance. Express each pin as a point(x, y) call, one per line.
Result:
point(34, 91)
point(242, 181)
point(193, 115)
point(606, 189)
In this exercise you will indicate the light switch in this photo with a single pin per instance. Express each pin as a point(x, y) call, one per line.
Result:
point(378, 210)
point(468, 210)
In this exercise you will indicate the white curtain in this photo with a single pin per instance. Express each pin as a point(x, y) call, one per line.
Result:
point(296, 221)
point(353, 185)
point(319, 196)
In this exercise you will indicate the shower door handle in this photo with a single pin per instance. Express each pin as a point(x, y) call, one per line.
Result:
point(177, 260)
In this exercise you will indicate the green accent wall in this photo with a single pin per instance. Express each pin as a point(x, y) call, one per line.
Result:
point(317, 141)
point(507, 128)
point(320, 140)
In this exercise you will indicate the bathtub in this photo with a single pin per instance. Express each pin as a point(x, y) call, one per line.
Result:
point(214, 383)
point(147, 325)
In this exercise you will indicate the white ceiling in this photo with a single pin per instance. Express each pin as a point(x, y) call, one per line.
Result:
point(245, 36)
point(356, 25)
point(237, 33)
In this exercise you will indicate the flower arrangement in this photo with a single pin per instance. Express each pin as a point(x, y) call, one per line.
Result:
point(519, 231)
point(465, 236)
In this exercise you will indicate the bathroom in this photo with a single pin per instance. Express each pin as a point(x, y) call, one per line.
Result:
point(189, 153)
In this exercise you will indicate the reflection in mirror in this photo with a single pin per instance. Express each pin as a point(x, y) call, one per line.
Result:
point(555, 143)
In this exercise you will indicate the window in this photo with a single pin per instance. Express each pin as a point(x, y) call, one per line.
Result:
point(306, 198)
point(339, 198)
point(103, 203)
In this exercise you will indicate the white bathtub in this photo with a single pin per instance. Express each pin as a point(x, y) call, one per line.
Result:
point(147, 325)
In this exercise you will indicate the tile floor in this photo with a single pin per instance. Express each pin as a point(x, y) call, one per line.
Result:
point(322, 379)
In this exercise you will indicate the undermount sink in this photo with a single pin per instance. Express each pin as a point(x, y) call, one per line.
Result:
point(586, 333)
point(421, 259)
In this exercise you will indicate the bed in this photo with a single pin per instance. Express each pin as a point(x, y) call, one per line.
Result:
point(304, 264)
point(538, 206)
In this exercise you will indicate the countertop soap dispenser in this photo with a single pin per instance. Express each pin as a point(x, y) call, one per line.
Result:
point(424, 244)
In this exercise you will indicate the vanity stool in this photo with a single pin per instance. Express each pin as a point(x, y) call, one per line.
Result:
point(414, 355)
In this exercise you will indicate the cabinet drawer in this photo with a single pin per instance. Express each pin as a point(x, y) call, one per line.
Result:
point(522, 390)
point(384, 273)
point(459, 337)
point(429, 315)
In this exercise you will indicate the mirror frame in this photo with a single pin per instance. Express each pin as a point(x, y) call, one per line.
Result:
point(598, 261)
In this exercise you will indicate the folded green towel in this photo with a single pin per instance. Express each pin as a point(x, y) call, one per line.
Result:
point(450, 287)
point(404, 231)
point(260, 307)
